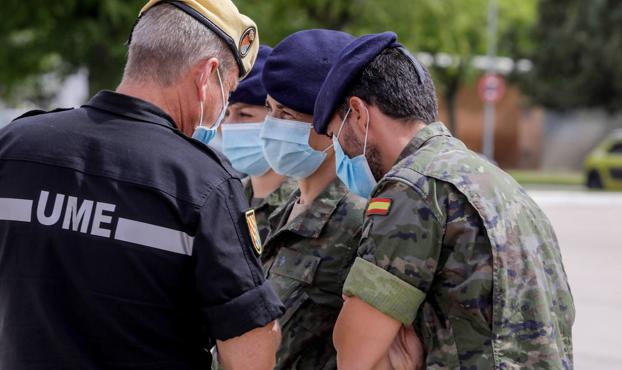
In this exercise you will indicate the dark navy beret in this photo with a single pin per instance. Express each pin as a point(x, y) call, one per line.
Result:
point(298, 65)
point(251, 90)
point(351, 62)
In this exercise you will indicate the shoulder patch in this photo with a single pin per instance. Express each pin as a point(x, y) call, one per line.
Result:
point(36, 112)
point(379, 206)
point(254, 231)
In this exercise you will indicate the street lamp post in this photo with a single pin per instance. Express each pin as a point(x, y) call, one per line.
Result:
point(489, 106)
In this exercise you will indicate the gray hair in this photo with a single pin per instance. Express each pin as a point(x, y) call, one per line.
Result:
point(166, 42)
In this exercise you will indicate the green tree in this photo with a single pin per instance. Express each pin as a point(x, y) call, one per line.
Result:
point(64, 35)
point(454, 27)
point(61, 36)
point(578, 55)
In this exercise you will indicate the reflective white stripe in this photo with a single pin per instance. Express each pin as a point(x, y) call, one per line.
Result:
point(15, 209)
point(154, 236)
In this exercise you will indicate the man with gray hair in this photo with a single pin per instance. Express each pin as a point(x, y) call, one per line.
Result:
point(124, 243)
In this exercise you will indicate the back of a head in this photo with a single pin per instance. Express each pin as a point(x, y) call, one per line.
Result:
point(166, 42)
point(169, 38)
point(392, 83)
point(298, 65)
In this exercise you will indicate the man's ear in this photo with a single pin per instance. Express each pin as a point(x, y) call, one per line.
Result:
point(202, 73)
point(359, 115)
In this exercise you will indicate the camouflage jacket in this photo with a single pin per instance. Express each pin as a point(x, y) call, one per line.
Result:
point(308, 261)
point(454, 245)
point(265, 206)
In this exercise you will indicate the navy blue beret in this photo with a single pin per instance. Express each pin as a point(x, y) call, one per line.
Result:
point(351, 62)
point(298, 65)
point(251, 90)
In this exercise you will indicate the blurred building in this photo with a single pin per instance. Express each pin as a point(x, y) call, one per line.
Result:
point(528, 137)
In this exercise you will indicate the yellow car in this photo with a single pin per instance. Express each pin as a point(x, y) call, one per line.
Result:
point(603, 167)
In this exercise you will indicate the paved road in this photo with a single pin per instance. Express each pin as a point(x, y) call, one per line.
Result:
point(589, 228)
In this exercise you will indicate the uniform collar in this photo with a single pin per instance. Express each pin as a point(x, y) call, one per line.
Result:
point(282, 193)
point(130, 107)
point(311, 222)
point(248, 188)
point(274, 199)
point(424, 135)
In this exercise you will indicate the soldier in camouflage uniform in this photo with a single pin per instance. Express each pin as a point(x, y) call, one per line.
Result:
point(307, 259)
point(265, 189)
point(314, 235)
point(451, 244)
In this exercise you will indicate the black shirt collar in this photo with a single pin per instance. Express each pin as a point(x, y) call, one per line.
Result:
point(130, 107)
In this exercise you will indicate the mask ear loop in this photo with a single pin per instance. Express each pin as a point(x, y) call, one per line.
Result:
point(224, 102)
point(201, 105)
point(340, 128)
point(328, 148)
point(201, 114)
point(343, 122)
point(366, 132)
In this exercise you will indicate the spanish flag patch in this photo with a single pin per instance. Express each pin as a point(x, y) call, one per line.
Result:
point(379, 206)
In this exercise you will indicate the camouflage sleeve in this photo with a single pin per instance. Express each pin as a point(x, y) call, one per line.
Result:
point(398, 254)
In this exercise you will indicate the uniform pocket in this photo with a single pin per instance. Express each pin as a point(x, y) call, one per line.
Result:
point(290, 273)
point(295, 265)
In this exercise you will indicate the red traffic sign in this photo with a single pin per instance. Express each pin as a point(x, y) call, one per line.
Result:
point(491, 88)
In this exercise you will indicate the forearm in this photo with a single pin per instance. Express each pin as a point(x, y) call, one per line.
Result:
point(255, 349)
point(363, 336)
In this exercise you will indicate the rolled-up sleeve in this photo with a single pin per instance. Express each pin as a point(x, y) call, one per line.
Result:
point(398, 254)
point(233, 294)
point(384, 291)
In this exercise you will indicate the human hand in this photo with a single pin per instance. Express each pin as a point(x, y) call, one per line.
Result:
point(406, 352)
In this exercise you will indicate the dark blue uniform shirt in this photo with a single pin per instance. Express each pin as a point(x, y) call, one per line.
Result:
point(123, 243)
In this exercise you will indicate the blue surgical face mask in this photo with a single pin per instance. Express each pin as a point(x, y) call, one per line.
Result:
point(242, 146)
point(203, 133)
point(354, 172)
point(286, 148)
point(216, 142)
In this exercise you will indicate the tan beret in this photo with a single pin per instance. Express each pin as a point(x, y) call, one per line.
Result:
point(238, 31)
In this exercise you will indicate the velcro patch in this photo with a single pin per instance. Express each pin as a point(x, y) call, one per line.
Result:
point(254, 231)
point(379, 206)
